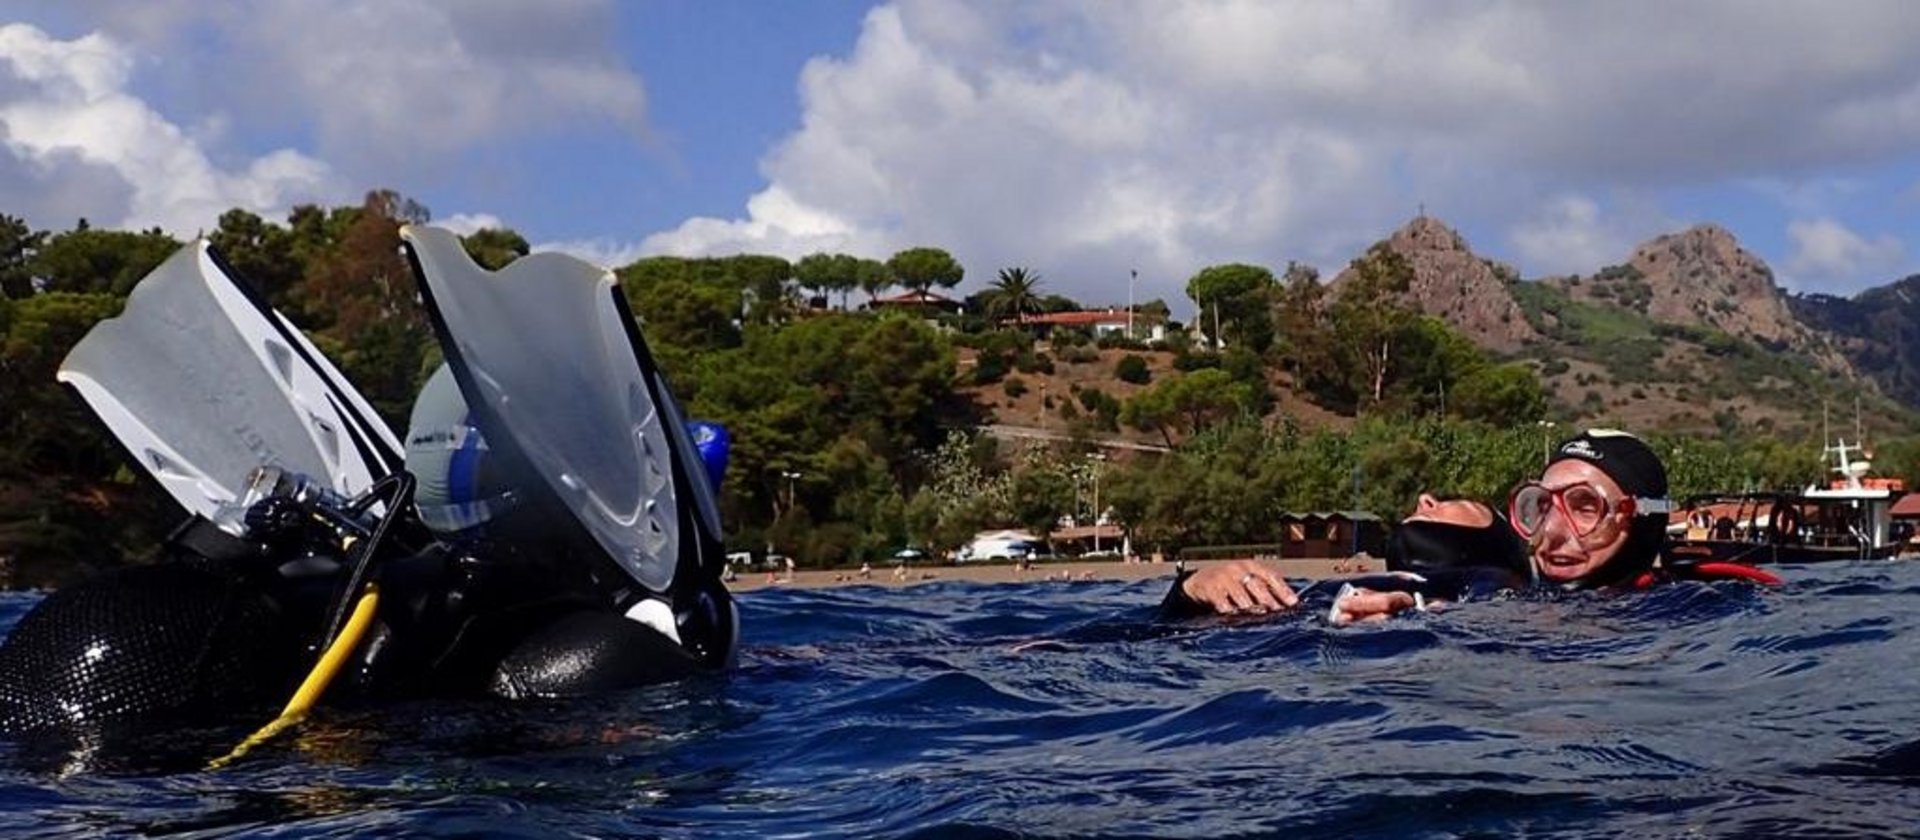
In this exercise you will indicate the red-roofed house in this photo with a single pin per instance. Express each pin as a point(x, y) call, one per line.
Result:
point(1110, 321)
point(919, 300)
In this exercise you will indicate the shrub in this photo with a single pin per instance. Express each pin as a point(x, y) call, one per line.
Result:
point(1034, 363)
point(1014, 387)
point(1069, 337)
point(991, 368)
point(1190, 362)
point(1079, 355)
point(1133, 369)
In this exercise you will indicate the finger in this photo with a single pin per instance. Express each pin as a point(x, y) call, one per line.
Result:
point(1215, 597)
point(1367, 605)
point(1263, 594)
point(1242, 600)
point(1222, 604)
point(1379, 602)
point(1281, 591)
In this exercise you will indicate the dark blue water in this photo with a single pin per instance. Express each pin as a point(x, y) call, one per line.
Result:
point(1711, 710)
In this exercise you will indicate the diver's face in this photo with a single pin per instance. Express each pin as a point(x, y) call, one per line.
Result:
point(1451, 511)
point(1560, 552)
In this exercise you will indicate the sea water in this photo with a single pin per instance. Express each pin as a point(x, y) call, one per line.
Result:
point(1063, 709)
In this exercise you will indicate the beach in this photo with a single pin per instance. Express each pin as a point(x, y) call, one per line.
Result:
point(1066, 571)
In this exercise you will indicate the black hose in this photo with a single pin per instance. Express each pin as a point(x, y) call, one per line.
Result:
point(400, 486)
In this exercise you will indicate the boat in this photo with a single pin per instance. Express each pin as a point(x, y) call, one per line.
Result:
point(1850, 518)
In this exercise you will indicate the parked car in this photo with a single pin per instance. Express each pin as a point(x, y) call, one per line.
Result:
point(1002, 548)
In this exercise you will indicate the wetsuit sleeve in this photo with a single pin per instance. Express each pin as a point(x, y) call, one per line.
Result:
point(1455, 584)
point(1177, 605)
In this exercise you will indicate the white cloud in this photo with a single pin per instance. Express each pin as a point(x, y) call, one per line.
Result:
point(467, 224)
point(1829, 257)
point(1577, 234)
point(1569, 237)
point(387, 82)
point(69, 114)
point(1086, 139)
point(602, 252)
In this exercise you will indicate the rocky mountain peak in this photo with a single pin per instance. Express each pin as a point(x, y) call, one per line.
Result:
point(1701, 276)
point(1452, 283)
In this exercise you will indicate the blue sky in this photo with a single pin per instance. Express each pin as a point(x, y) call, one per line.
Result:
point(1080, 140)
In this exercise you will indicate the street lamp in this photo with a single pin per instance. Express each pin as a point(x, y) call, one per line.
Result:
point(1546, 439)
point(1097, 458)
point(1133, 277)
point(789, 475)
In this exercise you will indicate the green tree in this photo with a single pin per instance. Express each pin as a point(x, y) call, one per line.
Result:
point(1507, 393)
point(923, 268)
point(816, 272)
point(1369, 317)
point(260, 252)
point(1041, 495)
point(1014, 295)
point(360, 296)
point(1299, 318)
point(18, 245)
point(1189, 403)
point(1235, 300)
point(495, 248)
point(92, 261)
point(1434, 359)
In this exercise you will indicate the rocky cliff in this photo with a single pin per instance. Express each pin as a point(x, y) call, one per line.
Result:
point(1454, 284)
point(1878, 330)
point(1702, 277)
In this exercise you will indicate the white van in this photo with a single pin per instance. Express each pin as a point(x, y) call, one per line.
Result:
point(1002, 545)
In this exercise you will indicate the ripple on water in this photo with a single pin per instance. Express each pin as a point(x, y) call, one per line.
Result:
point(951, 709)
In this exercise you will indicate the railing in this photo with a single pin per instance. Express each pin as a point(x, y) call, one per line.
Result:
point(1256, 551)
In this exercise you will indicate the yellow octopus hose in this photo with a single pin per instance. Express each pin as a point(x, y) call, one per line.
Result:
point(317, 680)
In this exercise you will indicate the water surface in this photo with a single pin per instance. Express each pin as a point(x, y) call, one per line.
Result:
point(930, 711)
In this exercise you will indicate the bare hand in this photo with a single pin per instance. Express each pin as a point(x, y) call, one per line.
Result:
point(1240, 587)
point(1364, 605)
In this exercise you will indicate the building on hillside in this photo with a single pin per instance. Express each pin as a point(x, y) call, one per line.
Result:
point(1146, 326)
point(1075, 540)
point(928, 304)
point(1336, 533)
point(1905, 515)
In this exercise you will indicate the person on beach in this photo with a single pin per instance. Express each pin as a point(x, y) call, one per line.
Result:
point(1595, 518)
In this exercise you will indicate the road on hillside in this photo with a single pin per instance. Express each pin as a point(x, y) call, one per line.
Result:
point(1031, 433)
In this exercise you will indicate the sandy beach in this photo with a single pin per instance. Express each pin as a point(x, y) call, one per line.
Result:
point(1059, 571)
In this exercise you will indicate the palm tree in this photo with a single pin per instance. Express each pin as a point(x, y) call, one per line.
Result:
point(1014, 295)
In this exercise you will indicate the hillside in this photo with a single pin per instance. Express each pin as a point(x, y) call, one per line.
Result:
point(1701, 277)
point(1689, 333)
point(1877, 330)
point(1450, 281)
point(1044, 398)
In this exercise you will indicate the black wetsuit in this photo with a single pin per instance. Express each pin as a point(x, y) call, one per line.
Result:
point(220, 623)
point(1458, 584)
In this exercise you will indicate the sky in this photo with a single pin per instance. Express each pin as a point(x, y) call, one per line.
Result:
point(1084, 141)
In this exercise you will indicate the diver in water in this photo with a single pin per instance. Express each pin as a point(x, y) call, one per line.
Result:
point(571, 547)
point(527, 615)
point(1445, 550)
point(1596, 518)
